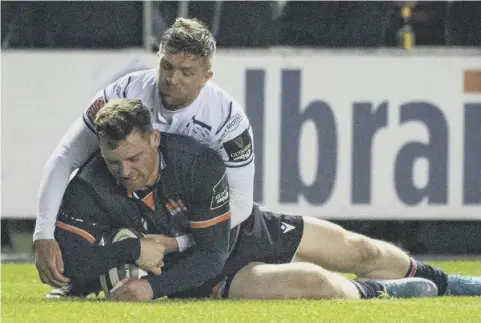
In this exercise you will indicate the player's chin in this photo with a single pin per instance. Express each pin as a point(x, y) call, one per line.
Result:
point(170, 100)
point(134, 185)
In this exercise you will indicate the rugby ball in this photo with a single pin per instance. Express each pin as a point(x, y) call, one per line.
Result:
point(110, 279)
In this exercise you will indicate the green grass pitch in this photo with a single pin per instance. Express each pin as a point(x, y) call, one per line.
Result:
point(22, 301)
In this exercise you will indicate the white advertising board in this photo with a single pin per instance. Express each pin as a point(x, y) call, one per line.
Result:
point(338, 135)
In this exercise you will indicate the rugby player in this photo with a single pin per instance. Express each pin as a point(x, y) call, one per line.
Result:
point(173, 185)
point(182, 99)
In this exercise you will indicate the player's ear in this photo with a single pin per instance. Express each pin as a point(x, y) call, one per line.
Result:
point(208, 76)
point(155, 138)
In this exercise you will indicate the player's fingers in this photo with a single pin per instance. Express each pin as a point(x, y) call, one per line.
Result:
point(120, 286)
point(122, 293)
point(48, 270)
point(56, 276)
point(59, 261)
point(52, 281)
point(156, 237)
point(156, 270)
point(125, 297)
point(116, 291)
point(43, 278)
point(115, 294)
point(161, 264)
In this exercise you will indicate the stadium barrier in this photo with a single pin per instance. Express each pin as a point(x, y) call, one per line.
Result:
point(382, 135)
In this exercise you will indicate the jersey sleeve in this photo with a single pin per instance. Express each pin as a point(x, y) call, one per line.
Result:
point(72, 151)
point(234, 143)
point(84, 237)
point(209, 215)
point(115, 90)
point(234, 138)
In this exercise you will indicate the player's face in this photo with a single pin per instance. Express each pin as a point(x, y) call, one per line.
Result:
point(180, 78)
point(134, 163)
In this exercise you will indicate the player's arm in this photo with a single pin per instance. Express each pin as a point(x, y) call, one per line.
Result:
point(73, 150)
point(84, 236)
point(236, 147)
point(209, 213)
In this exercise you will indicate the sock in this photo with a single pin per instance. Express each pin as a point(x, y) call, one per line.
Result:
point(436, 275)
point(369, 288)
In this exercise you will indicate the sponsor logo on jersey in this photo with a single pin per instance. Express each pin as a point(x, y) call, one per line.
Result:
point(231, 125)
point(221, 193)
point(94, 108)
point(198, 128)
point(175, 206)
point(286, 227)
point(239, 149)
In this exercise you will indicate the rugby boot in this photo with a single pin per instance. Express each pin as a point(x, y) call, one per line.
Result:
point(60, 292)
point(459, 285)
point(409, 288)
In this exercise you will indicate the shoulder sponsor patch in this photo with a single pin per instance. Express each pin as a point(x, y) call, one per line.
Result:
point(239, 149)
point(94, 108)
point(220, 193)
point(231, 125)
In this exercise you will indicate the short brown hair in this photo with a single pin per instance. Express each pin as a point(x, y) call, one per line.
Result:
point(117, 119)
point(190, 36)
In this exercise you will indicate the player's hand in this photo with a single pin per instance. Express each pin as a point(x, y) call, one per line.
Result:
point(151, 256)
point(129, 289)
point(49, 262)
point(169, 243)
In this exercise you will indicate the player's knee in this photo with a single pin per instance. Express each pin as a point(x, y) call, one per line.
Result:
point(314, 282)
point(311, 277)
point(367, 249)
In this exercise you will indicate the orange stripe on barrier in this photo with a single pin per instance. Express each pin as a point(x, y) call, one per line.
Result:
point(84, 234)
point(472, 81)
point(211, 222)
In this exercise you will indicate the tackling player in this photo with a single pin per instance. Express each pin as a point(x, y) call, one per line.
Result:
point(182, 99)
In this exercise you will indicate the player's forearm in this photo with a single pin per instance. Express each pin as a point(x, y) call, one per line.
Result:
point(86, 261)
point(99, 260)
point(241, 189)
point(188, 273)
point(72, 151)
point(53, 183)
point(205, 261)
point(173, 244)
point(241, 207)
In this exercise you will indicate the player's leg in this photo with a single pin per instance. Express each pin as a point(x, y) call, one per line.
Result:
point(329, 245)
point(309, 281)
point(332, 247)
point(293, 280)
